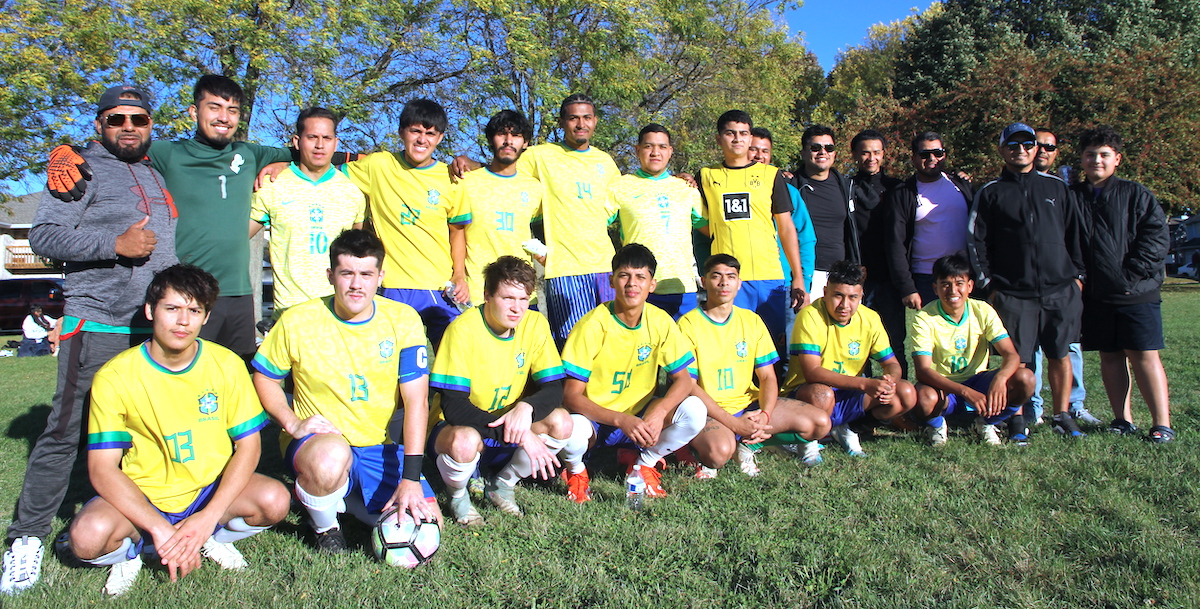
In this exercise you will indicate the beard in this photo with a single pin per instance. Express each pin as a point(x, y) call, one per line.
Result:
point(128, 154)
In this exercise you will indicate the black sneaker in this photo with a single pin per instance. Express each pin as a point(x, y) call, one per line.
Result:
point(1065, 424)
point(1122, 427)
point(331, 541)
point(1018, 432)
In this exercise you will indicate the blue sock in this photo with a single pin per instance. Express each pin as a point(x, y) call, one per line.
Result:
point(936, 422)
point(1007, 412)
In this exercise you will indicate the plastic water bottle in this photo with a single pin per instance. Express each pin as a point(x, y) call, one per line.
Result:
point(635, 497)
point(448, 294)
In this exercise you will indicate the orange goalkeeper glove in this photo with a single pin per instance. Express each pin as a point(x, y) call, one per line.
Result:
point(66, 173)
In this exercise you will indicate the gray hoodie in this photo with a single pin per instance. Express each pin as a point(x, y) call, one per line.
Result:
point(101, 286)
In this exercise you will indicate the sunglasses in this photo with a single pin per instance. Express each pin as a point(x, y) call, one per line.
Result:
point(934, 152)
point(118, 120)
point(1048, 147)
point(1014, 146)
point(818, 147)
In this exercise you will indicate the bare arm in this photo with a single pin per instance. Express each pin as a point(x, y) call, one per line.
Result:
point(409, 497)
point(458, 253)
point(274, 401)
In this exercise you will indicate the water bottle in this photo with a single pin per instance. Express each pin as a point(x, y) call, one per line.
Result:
point(448, 294)
point(636, 495)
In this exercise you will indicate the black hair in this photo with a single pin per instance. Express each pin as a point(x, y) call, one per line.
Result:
point(1044, 130)
point(725, 259)
point(219, 86)
point(508, 121)
point(653, 128)
point(733, 116)
point(954, 265)
point(867, 135)
point(926, 136)
point(763, 133)
point(815, 131)
point(356, 243)
point(635, 256)
point(314, 112)
point(846, 272)
point(425, 113)
point(509, 269)
point(1101, 136)
point(186, 279)
point(575, 98)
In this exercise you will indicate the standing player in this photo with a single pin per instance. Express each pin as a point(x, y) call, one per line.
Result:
point(732, 348)
point(612, 358)
point(303, 207)
point(829, 348)
point(173, 442)
point(952, 338)
point(421, 218)
point(343, 352)
point(659, 210)
point(499, 375)
point(741, 199)
point(502, 200)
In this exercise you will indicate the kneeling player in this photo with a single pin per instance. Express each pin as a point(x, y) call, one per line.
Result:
point(500, 380)
point(950, 339)
point(829, 348)
point(612, 358)
point(173, 443)
point(343, 352)
point(732, 346)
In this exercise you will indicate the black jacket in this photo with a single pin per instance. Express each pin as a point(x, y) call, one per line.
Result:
point(1027, 235)
point(901, 206)
point(800, 181)
point(1125, 242)
point(870, 219)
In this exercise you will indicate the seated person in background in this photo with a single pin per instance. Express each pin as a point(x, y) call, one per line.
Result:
point(35, 333)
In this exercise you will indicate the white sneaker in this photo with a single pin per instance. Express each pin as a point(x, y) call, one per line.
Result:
point(1082, 415)
point(745, 458)
point(705, 473)
point(848, 439)
point(122, 575)
point(812, 454)
point(937, 435)
point(987, 433)
point(223, 554)
point(22, 565)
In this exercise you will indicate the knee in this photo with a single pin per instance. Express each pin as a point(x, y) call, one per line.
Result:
point(1025, 382)
point(558, 424)
point(465, 444)
point(906, 393)
point(89, 536)
point(326, 467)
point(814, 424)
point(927, 398)
point(820, 396)
point(274, 502)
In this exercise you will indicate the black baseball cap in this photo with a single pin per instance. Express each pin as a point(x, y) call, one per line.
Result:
point(112, 98)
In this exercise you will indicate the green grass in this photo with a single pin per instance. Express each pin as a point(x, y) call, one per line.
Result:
point(1103, 522)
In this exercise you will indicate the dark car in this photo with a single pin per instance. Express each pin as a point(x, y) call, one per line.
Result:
point(17, 295)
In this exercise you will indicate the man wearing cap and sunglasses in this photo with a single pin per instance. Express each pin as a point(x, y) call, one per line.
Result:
point(113, 240)
point(1027, 249)
point(827, 195)
point(929, 221)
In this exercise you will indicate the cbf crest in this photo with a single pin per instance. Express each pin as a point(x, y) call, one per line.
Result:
point(520, 360)
point(740, 348)
point(643, 353)
point(387, 348)
point(960, 342)
point(208, 403)
point(433, 197)
point(854, 348)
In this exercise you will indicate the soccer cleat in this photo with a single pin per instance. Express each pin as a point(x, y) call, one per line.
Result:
point(578, 486)
point(331, 541)
point(812, 454)
point(464, 512)
point(1122, 427)
point(1082, 415)
point(22, 565)
point(706, 473)
point(790, 448)
point(1065, 425)
point(122, 575)
point(937, 435)
point(223, 554)
point(502, 497)
point(848, 439)
point(986, 432)
point(653, 479)
point(745, 457)
point(1161, 434)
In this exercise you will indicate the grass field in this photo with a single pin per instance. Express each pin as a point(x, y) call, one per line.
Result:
point(1101, 522)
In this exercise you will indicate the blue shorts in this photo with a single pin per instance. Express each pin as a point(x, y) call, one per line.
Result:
point(435, 311)
point(980, 382)
point(569, 298)
point(374, 471)
point(769, 298)
point(146, 543)
point(496, 453)
point(847, 406)
point(674, 304)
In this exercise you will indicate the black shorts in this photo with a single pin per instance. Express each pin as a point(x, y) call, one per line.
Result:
point(231, 325)
point(1052, 321)
point(1109, 328)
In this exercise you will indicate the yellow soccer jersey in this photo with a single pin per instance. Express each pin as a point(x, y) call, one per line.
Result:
point(956, 348)
point(412, 208)
point(727, 354)
point(347, 372)
point(739, 211)
point(619, 363)
point(501, 209)
point(843, 349)
point(304, 216)
point(574, 208)
point(494, 371)
point(176, 428)
point(659, 212)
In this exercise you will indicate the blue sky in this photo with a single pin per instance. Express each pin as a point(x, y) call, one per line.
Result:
point(830, 26)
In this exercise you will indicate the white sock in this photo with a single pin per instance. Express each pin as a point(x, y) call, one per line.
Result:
point(237, 529)
point(520, 466)
point(576, 446)
point(456, 474)
point(688, 421)
point(119, 555)
point(324, 510)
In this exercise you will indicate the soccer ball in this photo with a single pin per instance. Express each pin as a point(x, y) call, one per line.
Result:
point(400, 542)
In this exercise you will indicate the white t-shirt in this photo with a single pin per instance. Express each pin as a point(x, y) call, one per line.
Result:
point(32, 330)
point(941, 227)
